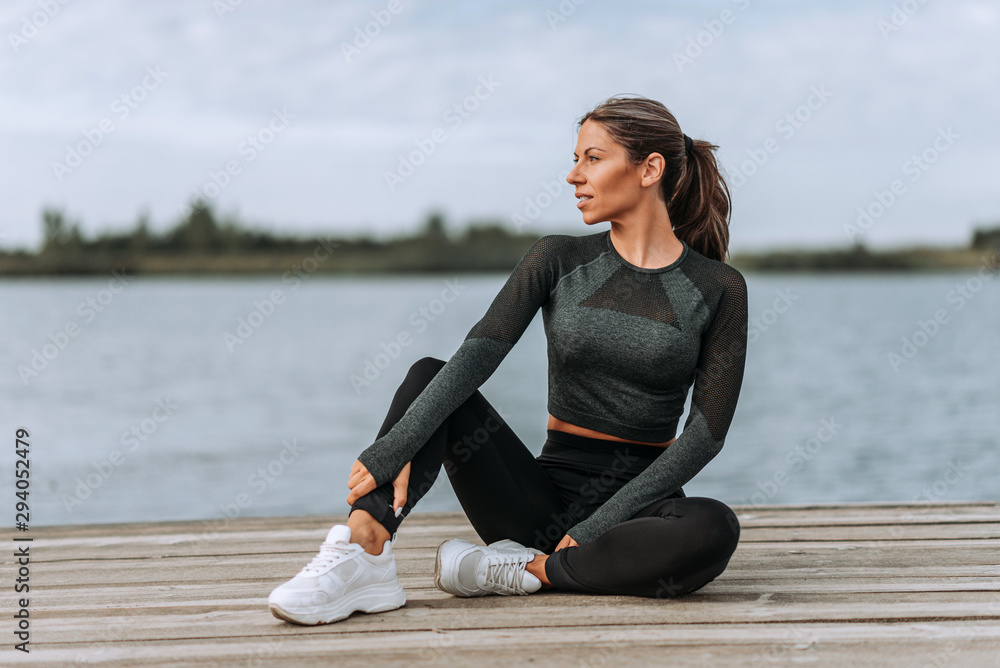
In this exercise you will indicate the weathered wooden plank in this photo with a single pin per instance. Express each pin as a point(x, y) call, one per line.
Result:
point(306, 543)
point(709, 644)
point(71, 537)
point(405, 549)
point(249, 617)
point(889, 512)
point(127, 590)
point(276, 567)
point(869, 655)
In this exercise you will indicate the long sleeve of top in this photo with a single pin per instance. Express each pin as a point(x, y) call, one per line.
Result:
point(484, 347)
point(625, 343)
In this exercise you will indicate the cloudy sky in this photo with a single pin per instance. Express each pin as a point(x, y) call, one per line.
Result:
point(820, 109)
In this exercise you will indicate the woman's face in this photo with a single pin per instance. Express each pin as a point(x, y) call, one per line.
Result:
point(607, 185)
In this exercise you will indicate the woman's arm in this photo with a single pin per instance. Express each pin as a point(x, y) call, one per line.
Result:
point(485, 346)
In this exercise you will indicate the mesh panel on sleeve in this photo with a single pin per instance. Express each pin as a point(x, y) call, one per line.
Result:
point(527, 288)
point(484, 348)
point(722, 357)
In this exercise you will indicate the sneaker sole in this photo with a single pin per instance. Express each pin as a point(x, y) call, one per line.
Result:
point(373, 598)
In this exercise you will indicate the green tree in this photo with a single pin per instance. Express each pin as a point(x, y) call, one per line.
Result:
point(54, 230)
point(59, 236)
point(199, 230)
point(986, 238)
point(139, 239)
point(434, 230)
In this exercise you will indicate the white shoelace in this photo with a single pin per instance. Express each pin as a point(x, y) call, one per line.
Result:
point(329, 555)
point(505, 571)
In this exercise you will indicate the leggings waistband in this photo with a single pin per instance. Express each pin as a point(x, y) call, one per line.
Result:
point(564, 446)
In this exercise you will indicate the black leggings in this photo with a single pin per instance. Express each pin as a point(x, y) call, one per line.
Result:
point(671, 547)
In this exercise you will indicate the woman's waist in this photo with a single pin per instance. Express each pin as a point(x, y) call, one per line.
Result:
point(605, 426)
point(557, 424)
point(597, 454)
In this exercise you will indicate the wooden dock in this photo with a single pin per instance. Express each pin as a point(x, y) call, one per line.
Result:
point(827, 585)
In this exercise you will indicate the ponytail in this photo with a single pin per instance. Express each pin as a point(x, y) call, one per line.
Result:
point(700, 206)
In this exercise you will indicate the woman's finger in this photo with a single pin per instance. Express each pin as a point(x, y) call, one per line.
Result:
point(399, 486)
point(362, 488)
point(567, 541)
point(358, 473)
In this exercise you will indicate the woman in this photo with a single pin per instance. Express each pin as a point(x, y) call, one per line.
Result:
point(633, 316)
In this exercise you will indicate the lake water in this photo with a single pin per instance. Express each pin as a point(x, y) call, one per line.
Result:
point(146, 402)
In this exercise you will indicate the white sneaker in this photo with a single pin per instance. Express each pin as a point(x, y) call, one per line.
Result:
point(464, 569)
point(339, 580)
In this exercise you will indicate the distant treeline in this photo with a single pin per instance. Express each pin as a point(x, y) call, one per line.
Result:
point(202, 243)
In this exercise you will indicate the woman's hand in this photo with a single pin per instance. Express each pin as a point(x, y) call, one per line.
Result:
point(567, 541)
point(362, 482)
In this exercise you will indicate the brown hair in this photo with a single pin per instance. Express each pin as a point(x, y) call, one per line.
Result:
point(693, 188)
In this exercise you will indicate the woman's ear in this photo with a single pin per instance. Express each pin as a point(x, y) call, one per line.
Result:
point(652, 170)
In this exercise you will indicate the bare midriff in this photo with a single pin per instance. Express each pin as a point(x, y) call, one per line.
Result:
point(561, 425)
